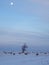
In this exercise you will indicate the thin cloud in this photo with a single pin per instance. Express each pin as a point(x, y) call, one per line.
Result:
point(17, 38)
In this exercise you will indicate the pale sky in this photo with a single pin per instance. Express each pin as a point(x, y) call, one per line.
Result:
point(24, 21)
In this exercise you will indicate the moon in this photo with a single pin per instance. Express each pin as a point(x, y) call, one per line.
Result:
point(12, 3)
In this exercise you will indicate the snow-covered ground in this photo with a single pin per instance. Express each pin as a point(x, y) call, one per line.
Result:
point(21, 59)
point(7, 58)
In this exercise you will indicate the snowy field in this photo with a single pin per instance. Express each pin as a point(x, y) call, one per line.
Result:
point(21, 59)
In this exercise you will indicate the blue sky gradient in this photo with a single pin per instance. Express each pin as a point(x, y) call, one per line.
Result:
point(25, 21)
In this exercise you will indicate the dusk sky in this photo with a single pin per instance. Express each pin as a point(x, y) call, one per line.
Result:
point(24, 21)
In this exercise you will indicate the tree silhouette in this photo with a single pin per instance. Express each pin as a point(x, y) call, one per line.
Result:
point(24, 47)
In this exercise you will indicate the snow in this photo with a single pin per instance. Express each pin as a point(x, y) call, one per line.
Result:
point(21, 59)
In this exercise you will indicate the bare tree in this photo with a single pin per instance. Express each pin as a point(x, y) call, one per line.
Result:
point(24, 47)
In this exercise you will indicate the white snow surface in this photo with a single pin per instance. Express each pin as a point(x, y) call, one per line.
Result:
point(21, 59)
